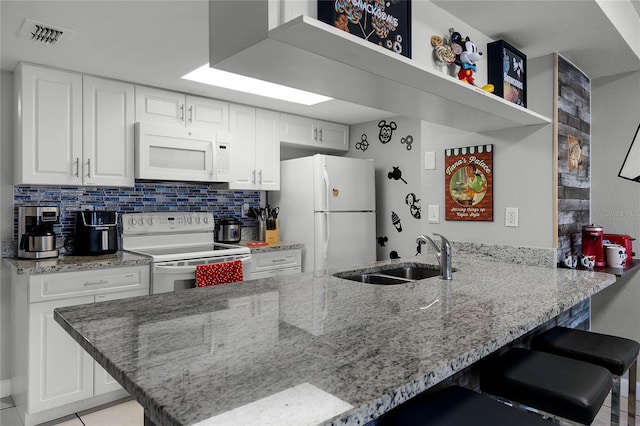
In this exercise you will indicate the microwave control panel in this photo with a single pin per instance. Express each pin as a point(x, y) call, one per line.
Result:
point(222, 162)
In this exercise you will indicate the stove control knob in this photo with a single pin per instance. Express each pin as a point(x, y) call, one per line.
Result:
point(197, 219)
point(189, 220)
point(150, 221)
point(132, 222)
point(141, 221)
point(205, 219)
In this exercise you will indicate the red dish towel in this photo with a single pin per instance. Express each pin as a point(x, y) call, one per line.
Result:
point(219, 273)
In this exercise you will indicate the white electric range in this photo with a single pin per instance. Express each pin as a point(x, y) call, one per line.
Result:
point(178, 242)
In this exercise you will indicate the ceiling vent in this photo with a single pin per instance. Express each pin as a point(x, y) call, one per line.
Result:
point(45, 34)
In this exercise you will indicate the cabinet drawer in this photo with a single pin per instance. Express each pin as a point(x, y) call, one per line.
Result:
point(275, 260)
point(98, 281)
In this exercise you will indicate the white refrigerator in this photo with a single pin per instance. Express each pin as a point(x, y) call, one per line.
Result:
point(328, 203)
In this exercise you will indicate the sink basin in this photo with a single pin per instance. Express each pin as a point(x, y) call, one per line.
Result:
point(375, 279)
point(392, 274)
point(412, 272)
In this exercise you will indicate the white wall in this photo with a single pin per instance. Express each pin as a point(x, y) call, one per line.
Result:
point(615, 202)
point(523, 164)
point(6, 213)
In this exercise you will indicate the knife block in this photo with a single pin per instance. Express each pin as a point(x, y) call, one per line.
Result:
point(273, 235)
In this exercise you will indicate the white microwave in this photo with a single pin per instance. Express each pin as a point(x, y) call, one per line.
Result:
point(164, 152)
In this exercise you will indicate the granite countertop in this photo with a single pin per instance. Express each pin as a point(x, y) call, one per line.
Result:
point(344, 351)
point(282, 245)
point(66, 263)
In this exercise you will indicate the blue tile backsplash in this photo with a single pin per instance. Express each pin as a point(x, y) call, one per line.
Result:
point(144, 197)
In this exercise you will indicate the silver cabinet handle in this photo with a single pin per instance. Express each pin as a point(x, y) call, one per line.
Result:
point(89, 168)
point(190, 113)
point(254, 175)
point(181, 112)
point(320, 135)
point(260, 174)
point(315, 133)
point(89, 283)
point(77, 166)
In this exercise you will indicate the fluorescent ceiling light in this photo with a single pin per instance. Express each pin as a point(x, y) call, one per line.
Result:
point(228, 80)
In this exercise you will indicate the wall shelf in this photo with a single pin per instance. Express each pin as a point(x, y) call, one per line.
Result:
point(311, 55)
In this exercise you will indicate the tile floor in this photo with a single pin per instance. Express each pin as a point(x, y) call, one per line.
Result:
point(130, 413)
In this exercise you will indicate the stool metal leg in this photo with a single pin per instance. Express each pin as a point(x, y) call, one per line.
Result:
point(632, 394)
point(615, 401)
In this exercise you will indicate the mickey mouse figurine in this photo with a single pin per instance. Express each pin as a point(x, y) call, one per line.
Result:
point(467, 55)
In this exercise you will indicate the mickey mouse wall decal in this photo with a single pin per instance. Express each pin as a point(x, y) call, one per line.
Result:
point(396, 174)
point(382, 241)
point(395, 220)
point(386, 130)
point(408, 140)
point(363, 144)
point(394, 255)
point(414, 205)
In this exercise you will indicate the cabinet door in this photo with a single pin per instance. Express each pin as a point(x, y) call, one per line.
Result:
point(159, 106)
point(267, 150)
point(208, 113)
point(108, 119)
point(102, 381)
point(60, 371)
point(333, 136)
point(49, 148)
point(297, 130)
point(243, 133)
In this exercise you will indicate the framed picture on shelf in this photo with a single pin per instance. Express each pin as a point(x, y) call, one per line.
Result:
point(385, 23)
point(507, 71)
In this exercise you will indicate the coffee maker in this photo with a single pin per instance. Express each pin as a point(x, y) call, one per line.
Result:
point(36, 239)
point(592, 243)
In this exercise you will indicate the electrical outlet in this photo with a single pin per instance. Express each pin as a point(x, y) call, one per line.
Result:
point(511, 216)
point(433, 214)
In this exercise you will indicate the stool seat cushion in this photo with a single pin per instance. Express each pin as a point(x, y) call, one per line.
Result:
point(614, 353)
point(562, 386)
point(456, 406)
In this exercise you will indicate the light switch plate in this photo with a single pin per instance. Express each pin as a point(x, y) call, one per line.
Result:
point(433, 213)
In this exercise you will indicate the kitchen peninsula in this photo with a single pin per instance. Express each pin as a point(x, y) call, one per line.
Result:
point(310, 349)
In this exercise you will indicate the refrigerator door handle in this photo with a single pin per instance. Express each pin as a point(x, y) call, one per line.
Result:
point(327, 228)
point(325, 176)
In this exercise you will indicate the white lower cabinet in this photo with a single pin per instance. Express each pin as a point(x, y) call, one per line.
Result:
point(53, 375)
point(275, 263)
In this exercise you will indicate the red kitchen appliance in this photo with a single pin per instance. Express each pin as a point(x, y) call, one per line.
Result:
point(622, 240)
point(592, 237)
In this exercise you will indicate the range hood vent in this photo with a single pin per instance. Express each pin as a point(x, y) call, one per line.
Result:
point(45, 34)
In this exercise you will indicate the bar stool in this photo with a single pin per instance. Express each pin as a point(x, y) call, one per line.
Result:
point(616, 354)
point(456, 406)
point(556, 385)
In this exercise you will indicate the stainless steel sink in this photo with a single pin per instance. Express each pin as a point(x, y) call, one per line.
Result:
point(375, 279)
point(412, 272)
point(392, 274)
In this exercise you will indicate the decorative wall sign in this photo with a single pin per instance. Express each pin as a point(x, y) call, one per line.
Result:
point(386, 23)
point(574, 153)
point(469, 183)
point(631, 166)
point(507, 72)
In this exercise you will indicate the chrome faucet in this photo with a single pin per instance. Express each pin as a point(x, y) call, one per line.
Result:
point(443, 253)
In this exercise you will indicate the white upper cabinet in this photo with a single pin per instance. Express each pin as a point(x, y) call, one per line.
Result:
point(108, 117)
point(73, 130)
point(256, 148)
point(321, 135)
point(48, 126)
point(167, 107)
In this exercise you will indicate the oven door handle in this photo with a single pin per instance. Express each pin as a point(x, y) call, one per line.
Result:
point(171, 269)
